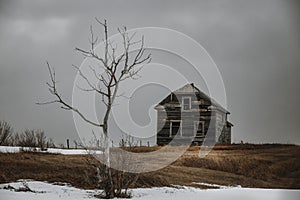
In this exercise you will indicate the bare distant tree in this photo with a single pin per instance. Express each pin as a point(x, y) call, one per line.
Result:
point(75, 144)
point(27, 139)
point(41, 139)
point(5, 133)
point(117, 68)
point(50, 143)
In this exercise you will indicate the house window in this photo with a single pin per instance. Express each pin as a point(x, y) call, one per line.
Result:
point(175, 128)
point(186, 103)
point(199, 128)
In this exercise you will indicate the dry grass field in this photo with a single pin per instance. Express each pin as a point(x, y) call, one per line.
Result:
point(260, 166)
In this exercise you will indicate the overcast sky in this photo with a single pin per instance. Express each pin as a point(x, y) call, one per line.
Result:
point(255, 44)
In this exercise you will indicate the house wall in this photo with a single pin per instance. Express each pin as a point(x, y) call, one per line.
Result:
point(201, 110)
point(173, 111)
point(225, 137)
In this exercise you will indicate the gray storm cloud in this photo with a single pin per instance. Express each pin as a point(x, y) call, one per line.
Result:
point(255, 44)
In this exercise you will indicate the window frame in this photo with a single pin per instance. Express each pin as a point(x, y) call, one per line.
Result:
point(190, 103)
point(180, 127)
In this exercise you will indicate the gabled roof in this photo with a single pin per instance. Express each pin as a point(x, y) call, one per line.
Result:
point(229, 123)
point(188, 88)
point(192, 89)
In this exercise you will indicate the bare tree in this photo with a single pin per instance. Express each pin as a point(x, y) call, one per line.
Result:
point(5, 133)
point(50, 143)
point(27, 139)
point(41, 139)
point(117, 68)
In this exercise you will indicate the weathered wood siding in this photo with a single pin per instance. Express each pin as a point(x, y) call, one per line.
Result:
point(201, 110)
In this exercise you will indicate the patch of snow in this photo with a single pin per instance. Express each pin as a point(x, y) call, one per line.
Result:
point(45, 191)
point(72, 151)
point(48, 191)
point(9, 149)
point(216, 185)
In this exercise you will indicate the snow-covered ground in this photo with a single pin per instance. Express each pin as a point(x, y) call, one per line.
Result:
point(46, 191)
point(9, 149)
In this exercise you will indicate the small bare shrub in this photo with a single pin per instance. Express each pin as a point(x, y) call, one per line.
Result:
point(33, 139)
point(112, 181)
point(50, 143)
point(119, 183)
point(41, 140)
point(27, 139)
point(5, 133)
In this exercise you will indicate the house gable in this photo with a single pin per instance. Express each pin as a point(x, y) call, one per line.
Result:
point(192, 107)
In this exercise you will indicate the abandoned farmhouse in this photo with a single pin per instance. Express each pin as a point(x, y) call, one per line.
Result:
point(189, 116)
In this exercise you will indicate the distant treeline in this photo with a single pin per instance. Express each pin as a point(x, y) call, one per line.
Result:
point(27, 138)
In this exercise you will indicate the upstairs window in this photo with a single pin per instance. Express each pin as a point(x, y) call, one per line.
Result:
point(186, 103)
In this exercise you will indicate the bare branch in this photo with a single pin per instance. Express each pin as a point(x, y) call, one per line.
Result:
point(47, 102)
point(88, 81)
point(66, 106)
point(103, 24)
point(123, 95)
point(91, 55)
point(95, 73)
point(85, 90)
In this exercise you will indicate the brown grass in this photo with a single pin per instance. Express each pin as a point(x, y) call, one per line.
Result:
point(266, 166)
point(250, 167)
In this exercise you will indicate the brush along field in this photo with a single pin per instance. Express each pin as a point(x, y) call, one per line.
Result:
point(255, 166)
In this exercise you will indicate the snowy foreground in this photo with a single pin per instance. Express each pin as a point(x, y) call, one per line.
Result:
point(46, 191)
point(8, 149)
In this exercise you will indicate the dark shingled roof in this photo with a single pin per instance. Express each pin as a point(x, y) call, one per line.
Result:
point(191, 88)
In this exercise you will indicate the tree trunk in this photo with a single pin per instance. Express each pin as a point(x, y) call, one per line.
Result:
point(109, 188)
